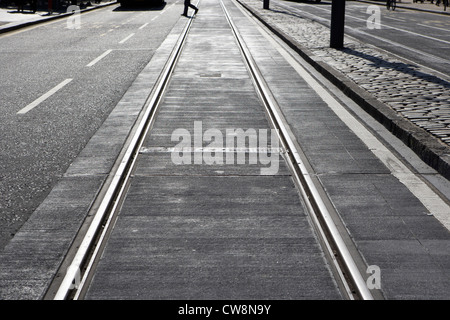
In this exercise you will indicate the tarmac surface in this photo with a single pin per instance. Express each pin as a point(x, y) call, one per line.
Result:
point(238, 234)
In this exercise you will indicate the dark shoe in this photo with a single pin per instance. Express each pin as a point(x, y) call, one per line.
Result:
point(196, 10)
point(184, 15)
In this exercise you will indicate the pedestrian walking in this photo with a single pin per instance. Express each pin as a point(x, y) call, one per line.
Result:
point(187, 4)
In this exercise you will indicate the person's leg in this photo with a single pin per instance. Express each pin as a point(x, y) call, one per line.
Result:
point(193, 7)
point(187, 3)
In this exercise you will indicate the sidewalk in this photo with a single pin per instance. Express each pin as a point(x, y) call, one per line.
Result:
point(216, 231)
point(219, 231)
point(10, 16)
point(418, 114)
point(11, 19)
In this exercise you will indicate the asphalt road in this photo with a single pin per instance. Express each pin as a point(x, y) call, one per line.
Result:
point(418, 36)
point(57, 86)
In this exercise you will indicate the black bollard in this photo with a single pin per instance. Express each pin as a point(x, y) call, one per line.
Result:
point(265, 4)
point(337, 24)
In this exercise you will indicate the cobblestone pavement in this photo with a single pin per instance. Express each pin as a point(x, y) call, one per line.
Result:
point(411, 90)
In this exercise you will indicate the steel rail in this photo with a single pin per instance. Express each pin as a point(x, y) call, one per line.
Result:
point(103, 218)
point(96, 232)
point(345, 265)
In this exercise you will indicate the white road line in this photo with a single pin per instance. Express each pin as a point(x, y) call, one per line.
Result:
point(398, 29)
point(143, 26)
point(424, 25)
point(127, 38)
point(93, 62)
point(154, 18)
point(429, 56)
point(44, 97)
point(393, 43)
point(395, 19)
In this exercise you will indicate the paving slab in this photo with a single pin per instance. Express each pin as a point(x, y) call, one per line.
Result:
point(211, 232)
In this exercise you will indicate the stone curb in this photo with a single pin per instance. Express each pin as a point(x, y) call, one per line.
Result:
point(20, 25)
point(432, 151)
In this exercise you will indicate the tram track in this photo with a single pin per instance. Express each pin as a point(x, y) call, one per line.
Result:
point(352, 282)
point(79, 270)
point(82, 265)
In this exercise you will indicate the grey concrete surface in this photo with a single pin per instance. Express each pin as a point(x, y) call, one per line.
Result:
point(210, 232)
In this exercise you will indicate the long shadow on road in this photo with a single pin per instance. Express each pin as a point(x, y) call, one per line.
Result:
point(409, 69)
